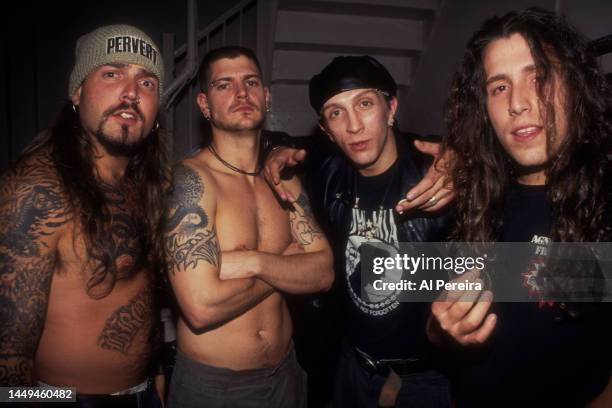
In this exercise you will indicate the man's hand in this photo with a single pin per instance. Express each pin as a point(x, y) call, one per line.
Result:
point(434, 191)
point(277, 160)
point(462, 315)
point(294, 248)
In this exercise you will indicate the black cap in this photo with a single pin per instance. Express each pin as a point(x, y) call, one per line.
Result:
point(348, 73)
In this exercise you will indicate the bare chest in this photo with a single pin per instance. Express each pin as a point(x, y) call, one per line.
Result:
point(105, 249)
point(250, 217)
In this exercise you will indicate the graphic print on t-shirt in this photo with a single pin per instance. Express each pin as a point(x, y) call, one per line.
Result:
point(535, 266)
point(371, 227)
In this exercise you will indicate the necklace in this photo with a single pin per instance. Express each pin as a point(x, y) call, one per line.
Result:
point(390, 183)
point(231, 166)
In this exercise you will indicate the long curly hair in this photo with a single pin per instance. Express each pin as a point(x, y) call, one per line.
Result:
point(147, 172)
point(578, 178)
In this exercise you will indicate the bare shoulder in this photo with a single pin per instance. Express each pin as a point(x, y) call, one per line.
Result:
point(33, 202)
point(33, 170)
point(189, 220)
point(191, 182)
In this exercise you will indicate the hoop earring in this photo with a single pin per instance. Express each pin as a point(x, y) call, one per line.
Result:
point(156, 126)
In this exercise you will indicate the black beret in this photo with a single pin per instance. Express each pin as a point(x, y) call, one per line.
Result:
point(348, 73)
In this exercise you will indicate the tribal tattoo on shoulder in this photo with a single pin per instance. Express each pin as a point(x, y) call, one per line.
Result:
point(123, 325)
point(188, 237)
point(303, 225)
point(32, 208)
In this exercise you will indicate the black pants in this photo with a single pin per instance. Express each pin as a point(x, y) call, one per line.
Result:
point(199, 385)
point(357, 387)
point(147, 398)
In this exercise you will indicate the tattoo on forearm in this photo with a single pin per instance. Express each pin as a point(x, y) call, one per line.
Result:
point(32, 208)
point(123, 325)
point(189, 239)
point(303, 225)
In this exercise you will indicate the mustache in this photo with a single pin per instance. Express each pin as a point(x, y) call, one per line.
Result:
point(124, 106)
point(237, 104)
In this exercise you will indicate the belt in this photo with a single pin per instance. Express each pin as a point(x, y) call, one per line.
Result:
point(133, 397)
point(115, 401)
point(401, 366)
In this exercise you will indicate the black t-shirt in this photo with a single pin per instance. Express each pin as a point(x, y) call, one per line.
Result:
point(540, 354)
point(379, 325)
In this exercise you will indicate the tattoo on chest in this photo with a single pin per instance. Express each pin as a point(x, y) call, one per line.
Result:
point(188, 238)
point(127, 242)
point(303, 226)
point(123, 325)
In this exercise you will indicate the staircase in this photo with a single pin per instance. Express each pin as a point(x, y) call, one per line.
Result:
point(295, 39)
point(308, 34)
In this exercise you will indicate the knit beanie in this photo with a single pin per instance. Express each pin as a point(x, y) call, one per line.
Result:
point(112, 44)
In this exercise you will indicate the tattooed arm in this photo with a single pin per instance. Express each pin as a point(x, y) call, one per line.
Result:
point(306, 271)
point(193, 255)
point(32, 213)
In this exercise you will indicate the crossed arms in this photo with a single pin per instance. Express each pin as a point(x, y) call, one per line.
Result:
point(213, 287)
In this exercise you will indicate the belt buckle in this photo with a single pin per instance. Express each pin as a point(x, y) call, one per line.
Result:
point(371, 365)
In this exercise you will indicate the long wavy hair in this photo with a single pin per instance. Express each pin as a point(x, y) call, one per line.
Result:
point(147, 172)
point(578, 178)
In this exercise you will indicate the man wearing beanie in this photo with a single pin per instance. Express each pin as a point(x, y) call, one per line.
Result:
point(385, 358)
point(79, 212)
point(233, 252)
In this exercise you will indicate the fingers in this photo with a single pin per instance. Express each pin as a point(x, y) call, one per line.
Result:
point(427, 193)
point(468, 322)
point(448, 298)
point(434, 191)
point(293, 248)
point(464, 314)
point(299, 156)
point(483, 333)
point(278, 160)
point(430, 148)
point(446, 197)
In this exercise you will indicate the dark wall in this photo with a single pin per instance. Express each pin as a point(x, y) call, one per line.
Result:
point(38, 53)
point(39, 37)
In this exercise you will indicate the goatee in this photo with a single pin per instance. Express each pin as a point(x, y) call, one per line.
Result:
point(120, 147)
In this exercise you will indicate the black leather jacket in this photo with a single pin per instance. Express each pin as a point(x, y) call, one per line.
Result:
point(329, 180)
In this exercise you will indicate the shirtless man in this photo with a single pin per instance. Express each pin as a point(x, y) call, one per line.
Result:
point(78, 216)
point(232, 248)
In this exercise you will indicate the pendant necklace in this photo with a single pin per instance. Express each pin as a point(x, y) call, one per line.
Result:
point(231, 166)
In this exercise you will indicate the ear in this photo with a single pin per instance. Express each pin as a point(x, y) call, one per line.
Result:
point(268, 97)
point(324, 129)
point(202, 101)
point(393, 104)
point(76, 97)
